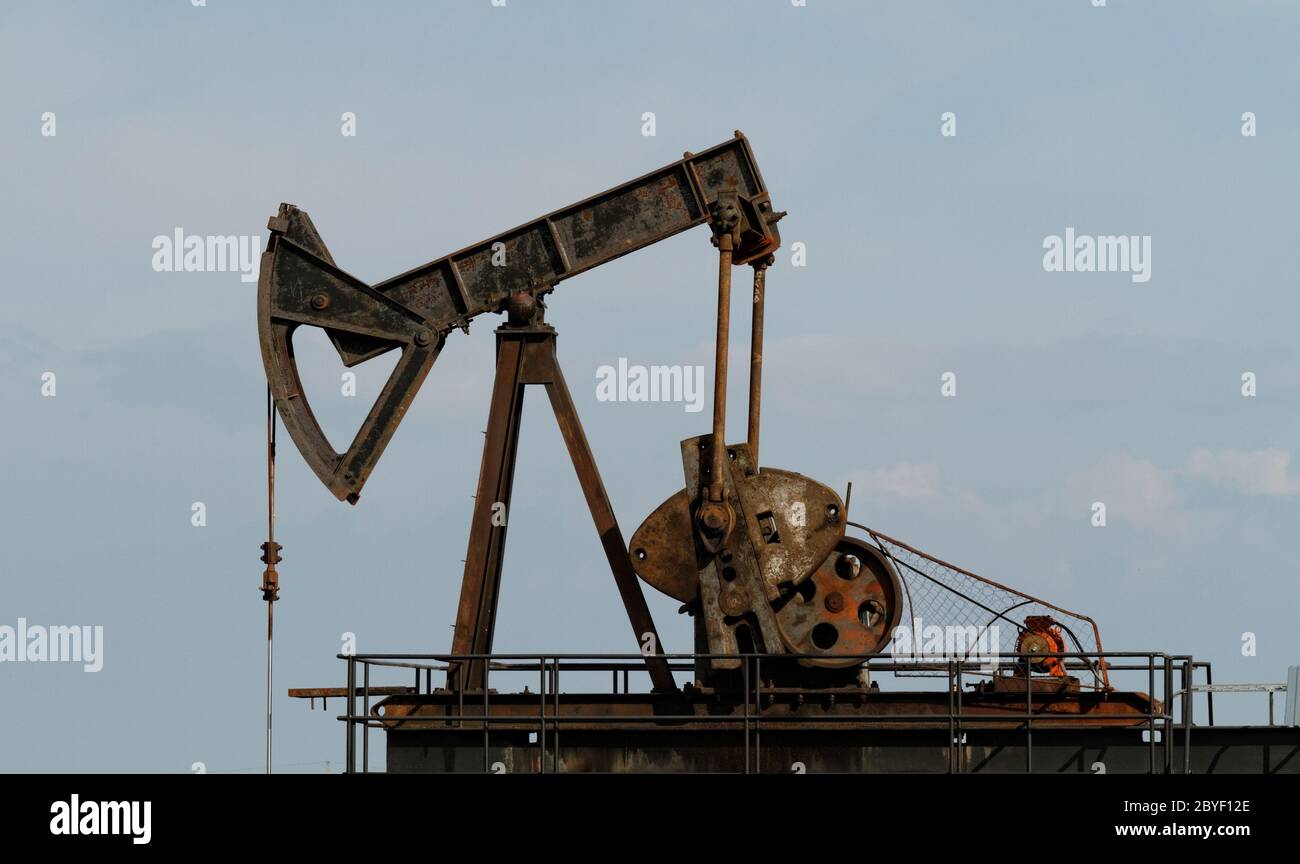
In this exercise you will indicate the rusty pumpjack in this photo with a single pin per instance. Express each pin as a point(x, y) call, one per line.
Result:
point(758, 556)
point(735, 545)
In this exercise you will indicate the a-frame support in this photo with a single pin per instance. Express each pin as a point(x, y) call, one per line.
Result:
point(526, 355)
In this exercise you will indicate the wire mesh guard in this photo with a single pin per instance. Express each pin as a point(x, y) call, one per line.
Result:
point(953, 614)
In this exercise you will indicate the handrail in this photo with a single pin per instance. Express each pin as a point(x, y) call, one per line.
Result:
point(474, 707)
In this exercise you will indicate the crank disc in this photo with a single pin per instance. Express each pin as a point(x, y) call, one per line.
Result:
point(849, 606)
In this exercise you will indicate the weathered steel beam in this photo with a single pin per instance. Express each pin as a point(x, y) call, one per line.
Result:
point(300, 284)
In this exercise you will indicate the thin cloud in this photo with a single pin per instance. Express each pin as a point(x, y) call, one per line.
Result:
point(1250, 472)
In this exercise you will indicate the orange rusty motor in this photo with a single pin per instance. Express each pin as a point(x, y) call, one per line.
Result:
point(1042, 636)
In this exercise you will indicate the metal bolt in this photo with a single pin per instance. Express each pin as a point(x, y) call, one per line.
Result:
point(423, 338)
point(834, 602)
point(320, 302)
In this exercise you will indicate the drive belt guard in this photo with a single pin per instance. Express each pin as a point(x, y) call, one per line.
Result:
point(299, 284)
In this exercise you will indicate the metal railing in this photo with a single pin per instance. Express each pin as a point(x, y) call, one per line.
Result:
point(473, 712)
point(1209, 688)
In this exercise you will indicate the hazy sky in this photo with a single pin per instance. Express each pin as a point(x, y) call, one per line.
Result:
point(924, 256)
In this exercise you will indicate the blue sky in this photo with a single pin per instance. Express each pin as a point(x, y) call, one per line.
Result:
point(924, 256)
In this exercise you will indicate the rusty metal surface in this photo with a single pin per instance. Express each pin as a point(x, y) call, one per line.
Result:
point(300, 284)
point(758, 556)
point(714, 512)
point(850, 606)
point(785, 527)
point(342, 692)
point(663, 551)
point(793, 521)
point(840, 708)
point(485, 555)
point(526, 355)
point(790, 543)
point(1042, 637)
point(733, 605)
point(755, 717)
point(756, 353)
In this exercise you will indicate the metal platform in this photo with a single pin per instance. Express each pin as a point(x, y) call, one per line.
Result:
point(1219, 750)
point(970, 721)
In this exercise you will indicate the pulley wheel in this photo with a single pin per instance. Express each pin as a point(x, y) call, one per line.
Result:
point(849, 606)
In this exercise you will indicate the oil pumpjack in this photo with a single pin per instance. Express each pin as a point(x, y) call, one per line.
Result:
point(787, 605)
